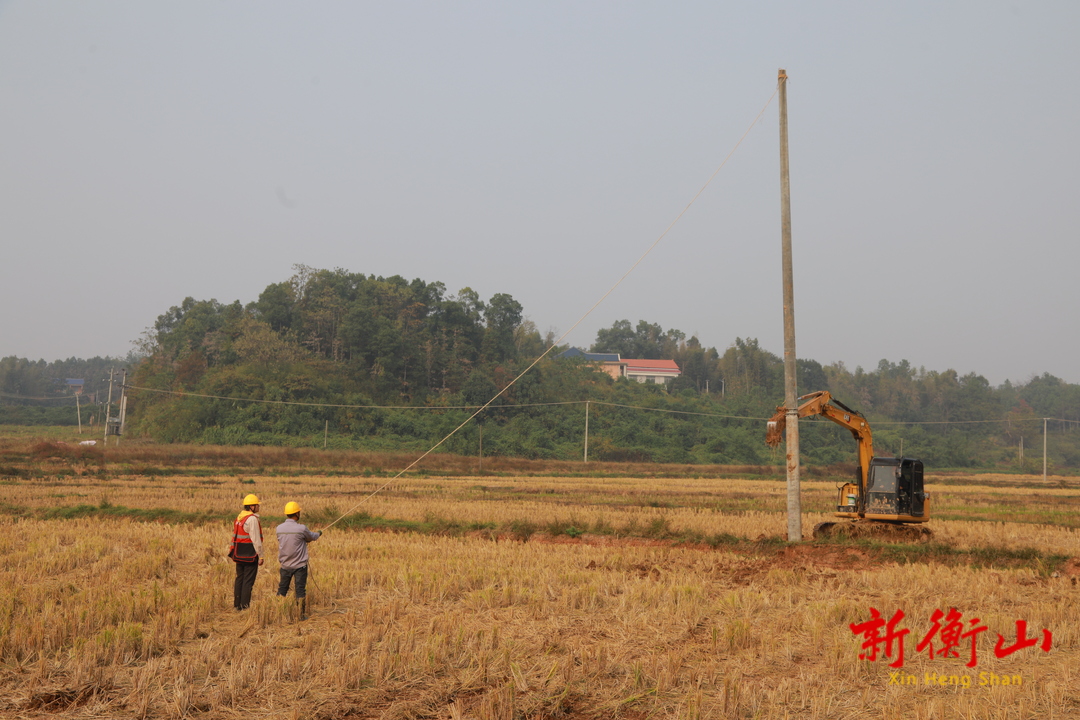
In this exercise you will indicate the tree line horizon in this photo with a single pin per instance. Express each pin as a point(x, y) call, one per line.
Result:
point(343, 338)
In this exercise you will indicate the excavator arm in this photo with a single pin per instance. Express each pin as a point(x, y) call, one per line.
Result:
point(822, 403)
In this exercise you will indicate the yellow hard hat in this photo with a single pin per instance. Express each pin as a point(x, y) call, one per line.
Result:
point(251, 499)
point(291, 508)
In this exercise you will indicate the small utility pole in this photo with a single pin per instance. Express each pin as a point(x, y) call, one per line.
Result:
point(325, 433)
point(1044, 449)
point(123, 406)
point(794, 501)
point(108, 409)
point(481, 472)
point(586, 431)
point(78, 412)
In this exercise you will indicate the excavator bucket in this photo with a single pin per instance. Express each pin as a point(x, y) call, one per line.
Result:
point(774, 432)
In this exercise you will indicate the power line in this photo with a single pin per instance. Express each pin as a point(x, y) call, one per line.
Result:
point(339, 405)
point(27, 397)
point(644, 408)
point(676, 412)
point(442, 407)
point(582, 318)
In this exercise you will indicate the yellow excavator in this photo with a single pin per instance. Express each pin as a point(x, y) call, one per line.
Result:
point(887, 495)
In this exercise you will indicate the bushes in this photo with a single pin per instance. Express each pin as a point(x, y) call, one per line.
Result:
point(28, 415)
point(628, 421)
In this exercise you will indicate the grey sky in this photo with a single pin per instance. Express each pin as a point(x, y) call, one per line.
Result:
point(153, 151)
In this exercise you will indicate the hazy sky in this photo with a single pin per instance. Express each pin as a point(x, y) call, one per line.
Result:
point(153, 151)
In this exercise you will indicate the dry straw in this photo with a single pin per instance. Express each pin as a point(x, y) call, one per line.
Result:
point(105, 616)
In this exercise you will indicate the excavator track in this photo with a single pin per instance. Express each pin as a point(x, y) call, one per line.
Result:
point(825, 530)
point(873, 530)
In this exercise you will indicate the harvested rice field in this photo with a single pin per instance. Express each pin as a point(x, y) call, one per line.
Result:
point(534, 597)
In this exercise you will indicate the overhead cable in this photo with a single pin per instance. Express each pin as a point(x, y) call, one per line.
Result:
point(581, 319)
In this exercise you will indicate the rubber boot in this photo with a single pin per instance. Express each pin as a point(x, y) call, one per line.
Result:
point(303, 609)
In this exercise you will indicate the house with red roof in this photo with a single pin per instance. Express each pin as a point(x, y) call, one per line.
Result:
point(660, 372)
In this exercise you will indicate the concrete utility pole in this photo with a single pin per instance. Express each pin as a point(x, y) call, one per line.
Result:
point(586, 431)
point(794, 501)
point(123, 405)
point(108, 409)
point(1044, 449)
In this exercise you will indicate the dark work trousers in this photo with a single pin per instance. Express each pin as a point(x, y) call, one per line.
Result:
point(287, 574)
point(245, 580)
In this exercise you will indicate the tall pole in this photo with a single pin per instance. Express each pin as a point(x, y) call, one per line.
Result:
point(794, 503)
point(586, 431)
point(78, 412)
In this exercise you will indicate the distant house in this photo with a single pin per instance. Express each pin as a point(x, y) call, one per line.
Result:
point(591, 357)
point(660, 372)
point(75, 384)
point(609, 362)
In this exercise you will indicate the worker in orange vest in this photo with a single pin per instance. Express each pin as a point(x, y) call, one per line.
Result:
point(246, 551)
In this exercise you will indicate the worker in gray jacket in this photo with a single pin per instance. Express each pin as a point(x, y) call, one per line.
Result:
point(292, 540)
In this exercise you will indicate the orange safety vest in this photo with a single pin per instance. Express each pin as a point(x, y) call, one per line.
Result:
point(243, 550)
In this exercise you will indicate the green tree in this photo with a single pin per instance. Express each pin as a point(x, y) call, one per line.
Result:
point(647, 341)
point(503, 316)
point(276, 306)
point(747, 368)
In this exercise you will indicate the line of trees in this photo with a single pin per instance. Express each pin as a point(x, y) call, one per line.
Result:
point(35, 392)
point(398, 341)
point(341, 338)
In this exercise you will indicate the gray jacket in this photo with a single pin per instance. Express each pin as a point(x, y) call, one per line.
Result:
point(292, 538)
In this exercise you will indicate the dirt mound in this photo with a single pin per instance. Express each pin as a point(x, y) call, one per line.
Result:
point(60, 450)
point(824, 557)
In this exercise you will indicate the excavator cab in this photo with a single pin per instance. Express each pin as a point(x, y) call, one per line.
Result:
point(894, 492)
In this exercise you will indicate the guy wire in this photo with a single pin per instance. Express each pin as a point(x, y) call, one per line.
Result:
point(575, 325)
